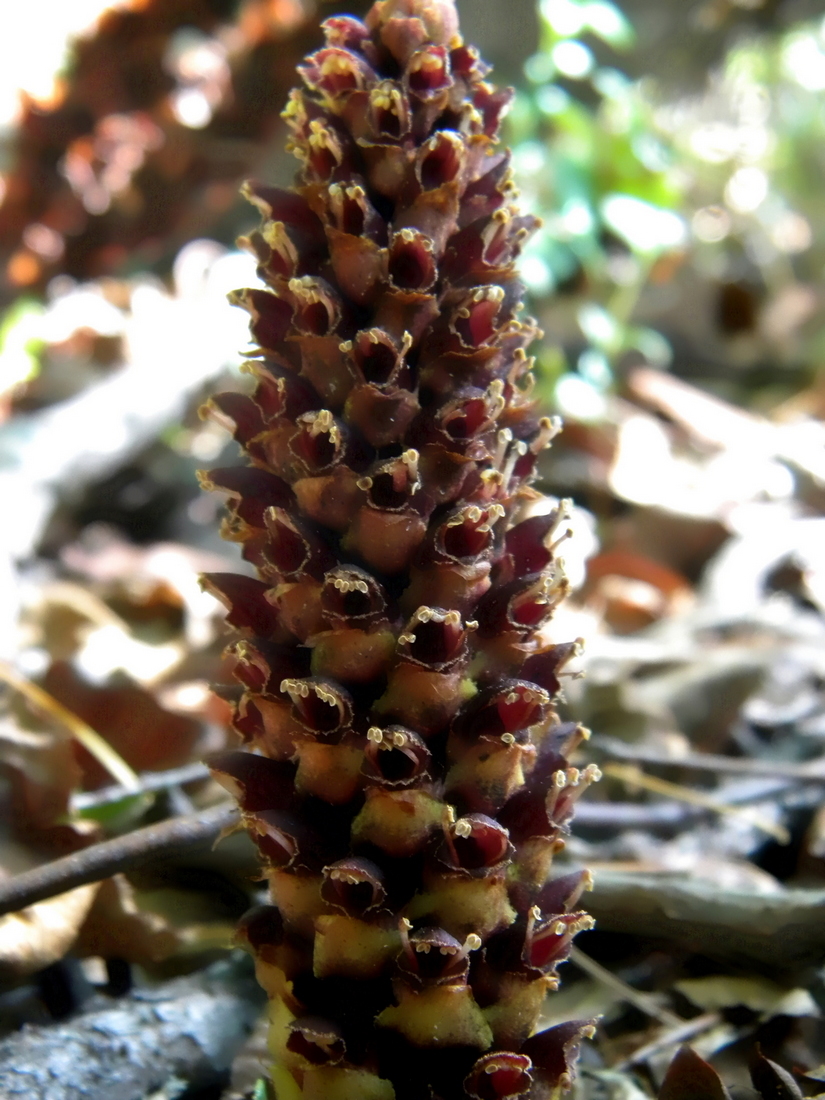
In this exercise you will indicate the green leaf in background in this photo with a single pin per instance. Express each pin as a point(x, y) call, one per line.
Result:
point(21, 342)
point(645, 194)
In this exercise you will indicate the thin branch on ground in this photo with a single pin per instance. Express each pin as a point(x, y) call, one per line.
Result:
point(122, 853)
point(149, 783)
point(671, 1037)
point(633, 776)
point(782, 932)
point(812, 771)
point(616, 816)
point(645, 1002)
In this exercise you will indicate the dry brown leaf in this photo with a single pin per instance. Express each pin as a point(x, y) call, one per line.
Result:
point(691, 1078)
point(634, 590)
point(756, 993)
point(41, 934)
point(116, 927)
point(708, 420)
point(45, 773)
point(148, 737)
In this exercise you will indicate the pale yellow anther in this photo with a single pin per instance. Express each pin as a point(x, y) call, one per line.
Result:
point(321, 138)
point(324, 422)
point(473, 942)
point(306, 288)
point(491, 478)
point(335, 63)
point(508, 739)
point(463, 828)
point(399, 739)
point(410, 235)
point(426, 62)
point(325, 695)
point(295, 687)
point(375, 735)
point(344, 585)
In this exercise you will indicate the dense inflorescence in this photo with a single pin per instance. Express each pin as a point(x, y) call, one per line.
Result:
point(405, 775)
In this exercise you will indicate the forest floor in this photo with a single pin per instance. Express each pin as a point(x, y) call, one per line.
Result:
point(696, 556)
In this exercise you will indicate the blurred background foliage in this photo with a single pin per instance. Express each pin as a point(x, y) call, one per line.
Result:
point(683, 226)
point(675, 152)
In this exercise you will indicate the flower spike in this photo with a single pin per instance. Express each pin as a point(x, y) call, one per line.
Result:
point(404, 774)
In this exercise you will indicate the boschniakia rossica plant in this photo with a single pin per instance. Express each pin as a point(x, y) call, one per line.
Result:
point(404, 776)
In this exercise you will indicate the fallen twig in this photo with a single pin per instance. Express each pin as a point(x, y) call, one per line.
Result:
point(683, 1032)
point(635, 777)
point(777, 932)
point(645, 1002)
point(671, 816)
point(188, 1029)
point(812, 771)
point(111, 856)
point(148, 782)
